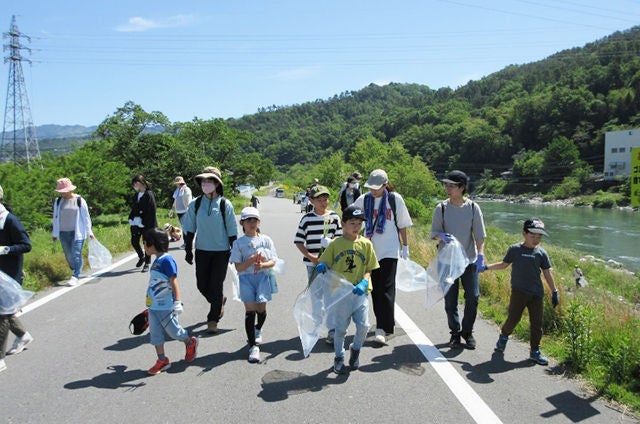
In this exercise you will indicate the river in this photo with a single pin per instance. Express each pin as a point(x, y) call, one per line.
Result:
point(603, 233)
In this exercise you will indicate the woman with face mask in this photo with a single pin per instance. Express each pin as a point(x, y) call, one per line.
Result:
point(213, 218)
point(142, 217)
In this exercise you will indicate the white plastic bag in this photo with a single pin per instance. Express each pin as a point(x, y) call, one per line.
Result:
point(99, 256)
point(328, 294)
point(232, 275)
point(12, 295)
point(279, 267)
point(449, 264)
point(410, 276)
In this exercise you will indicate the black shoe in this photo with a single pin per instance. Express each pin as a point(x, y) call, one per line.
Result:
point(139, 263)
point(145, 268)
point(354, 358)
point(470, 341)
point(224, 300)
point(454, 342)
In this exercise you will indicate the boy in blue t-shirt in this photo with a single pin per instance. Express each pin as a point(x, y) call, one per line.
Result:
point(163, 300)
point(528, 259)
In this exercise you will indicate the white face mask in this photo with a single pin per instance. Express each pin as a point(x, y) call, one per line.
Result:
point(208, 188)
point(352, 185)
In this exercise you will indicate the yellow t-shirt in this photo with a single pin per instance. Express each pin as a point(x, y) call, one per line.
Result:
point(351, 259)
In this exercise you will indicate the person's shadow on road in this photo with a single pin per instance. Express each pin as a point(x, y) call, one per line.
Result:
point(278, 385)
point(117, 378)
point(481, 373)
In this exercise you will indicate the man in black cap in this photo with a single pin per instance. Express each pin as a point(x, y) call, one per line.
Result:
point(462, 218)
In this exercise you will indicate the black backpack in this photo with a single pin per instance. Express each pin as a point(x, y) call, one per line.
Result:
point(223, 208)
point(78, 199)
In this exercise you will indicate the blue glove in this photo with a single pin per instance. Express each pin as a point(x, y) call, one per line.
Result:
point(445, 237)
point(480, 266)
point(321, 268)
point(555, 301)
point(360, 288)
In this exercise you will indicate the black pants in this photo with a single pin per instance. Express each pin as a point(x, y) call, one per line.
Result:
point(136, 235)
point(211, 270)
point(383, 294)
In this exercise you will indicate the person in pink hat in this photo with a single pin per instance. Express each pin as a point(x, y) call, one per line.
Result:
point(72, 225)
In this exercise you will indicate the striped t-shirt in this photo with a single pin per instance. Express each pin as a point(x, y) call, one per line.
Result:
point(313, 227)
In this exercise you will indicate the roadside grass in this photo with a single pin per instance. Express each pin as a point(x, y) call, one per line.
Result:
point(594, 333)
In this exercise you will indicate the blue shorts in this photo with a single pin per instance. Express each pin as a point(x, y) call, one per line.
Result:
point(161, 322)
point(255, 287)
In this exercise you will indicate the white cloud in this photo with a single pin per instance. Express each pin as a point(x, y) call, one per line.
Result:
point(140, 24)
point(295, 74)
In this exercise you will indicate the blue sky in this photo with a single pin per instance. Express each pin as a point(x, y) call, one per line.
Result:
point(221, 59)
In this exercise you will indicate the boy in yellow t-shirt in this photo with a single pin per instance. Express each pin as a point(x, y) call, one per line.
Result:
point(353, 257)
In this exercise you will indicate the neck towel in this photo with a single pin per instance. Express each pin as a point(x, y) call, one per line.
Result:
point(379, 223)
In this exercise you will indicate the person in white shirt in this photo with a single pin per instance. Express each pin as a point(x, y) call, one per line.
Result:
point(387, 220)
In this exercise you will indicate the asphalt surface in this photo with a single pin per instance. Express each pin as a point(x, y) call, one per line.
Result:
point(85, 366)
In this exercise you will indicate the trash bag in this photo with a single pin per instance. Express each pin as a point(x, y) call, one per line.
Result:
point(279, 267)
point(449, 264)
point(232, 276)
point(410, 276)
point(99, 256)
point(12, 295)
point(327, 294)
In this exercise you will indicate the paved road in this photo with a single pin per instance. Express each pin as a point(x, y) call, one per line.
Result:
point(85, 366)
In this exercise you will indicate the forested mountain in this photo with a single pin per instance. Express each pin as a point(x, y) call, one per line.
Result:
point(545, 119)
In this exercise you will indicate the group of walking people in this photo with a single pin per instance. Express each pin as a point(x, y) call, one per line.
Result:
point(385, 219)
point(363, 245)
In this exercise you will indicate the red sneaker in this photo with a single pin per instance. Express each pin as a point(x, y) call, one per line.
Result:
point(160, 366)
point(191, 350)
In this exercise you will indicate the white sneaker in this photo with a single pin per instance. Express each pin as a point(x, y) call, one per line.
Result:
point(258, 336)
point(380, 336)
point(254, 354)
point(3, 365)
point(73, 281)
point(20, 343)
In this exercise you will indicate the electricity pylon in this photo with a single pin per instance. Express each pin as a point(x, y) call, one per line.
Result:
point(19, 140)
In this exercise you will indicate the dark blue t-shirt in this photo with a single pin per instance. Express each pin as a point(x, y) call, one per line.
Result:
point(527, 264)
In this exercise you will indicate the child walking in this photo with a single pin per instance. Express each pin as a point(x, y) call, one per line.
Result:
point(528, 259)
point(253, 255)
point(163, 300)
point(352, 256)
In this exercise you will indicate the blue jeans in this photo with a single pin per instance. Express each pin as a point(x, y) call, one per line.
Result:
point(72, 251)
point(358, 311)
point(471, 286)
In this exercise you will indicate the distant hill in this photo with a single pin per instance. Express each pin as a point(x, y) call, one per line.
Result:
point(63, 131)
point(567, 101)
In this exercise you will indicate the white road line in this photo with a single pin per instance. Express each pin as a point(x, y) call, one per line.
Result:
point(36, 304)
point(472, 402)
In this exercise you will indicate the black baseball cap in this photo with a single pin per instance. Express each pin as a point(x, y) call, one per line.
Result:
point(535, 226)
point(352, 211)
point(456, 177)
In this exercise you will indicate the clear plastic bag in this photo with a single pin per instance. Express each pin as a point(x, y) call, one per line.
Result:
point(449, 264)
point(328, 294)
point(410, 276)
point(12, 295)
point(99, 256)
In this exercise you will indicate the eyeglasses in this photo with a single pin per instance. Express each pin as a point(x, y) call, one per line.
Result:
point(450, 185)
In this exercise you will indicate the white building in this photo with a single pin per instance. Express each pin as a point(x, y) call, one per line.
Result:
point(617, 152)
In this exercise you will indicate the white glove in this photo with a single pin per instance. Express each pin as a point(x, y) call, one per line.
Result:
point(405, 252)
point(177, 307)
point(325, 241)
point(4, 250)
